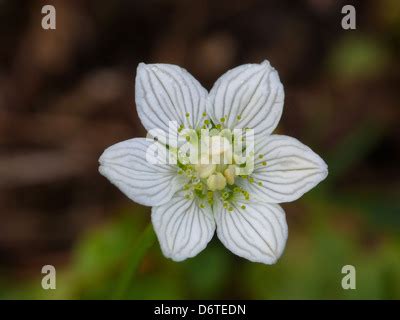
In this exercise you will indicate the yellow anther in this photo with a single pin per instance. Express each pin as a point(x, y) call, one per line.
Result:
point(216, 182)
point(205, 170)
point(229, 174)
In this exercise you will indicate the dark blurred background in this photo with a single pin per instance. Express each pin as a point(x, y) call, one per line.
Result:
point(67, 94)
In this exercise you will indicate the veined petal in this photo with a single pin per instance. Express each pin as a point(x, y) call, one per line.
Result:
point(291, 170)
point(166, 92)
point(258, 232)
point(126, 166)
point(182, 227)
point(250, 96)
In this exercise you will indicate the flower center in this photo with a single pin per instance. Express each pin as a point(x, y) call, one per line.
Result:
point(213, 165)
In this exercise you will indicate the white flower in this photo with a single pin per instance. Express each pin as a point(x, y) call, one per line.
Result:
point(191, 200)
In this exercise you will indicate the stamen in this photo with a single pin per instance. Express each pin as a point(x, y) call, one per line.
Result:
point(216, 181)
point(229, 174)
point(205, 170)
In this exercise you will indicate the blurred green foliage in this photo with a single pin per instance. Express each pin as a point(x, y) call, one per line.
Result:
point(358, 56)
point(309, 269)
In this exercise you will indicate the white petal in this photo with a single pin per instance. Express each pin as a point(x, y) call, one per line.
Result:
point(126, 166)
point(251, 91)
point(182, 227)
point(257, 233)
point(292, 169)
point(166, 92)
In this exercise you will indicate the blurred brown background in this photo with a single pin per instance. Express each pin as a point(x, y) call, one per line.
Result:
point(67, 94)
